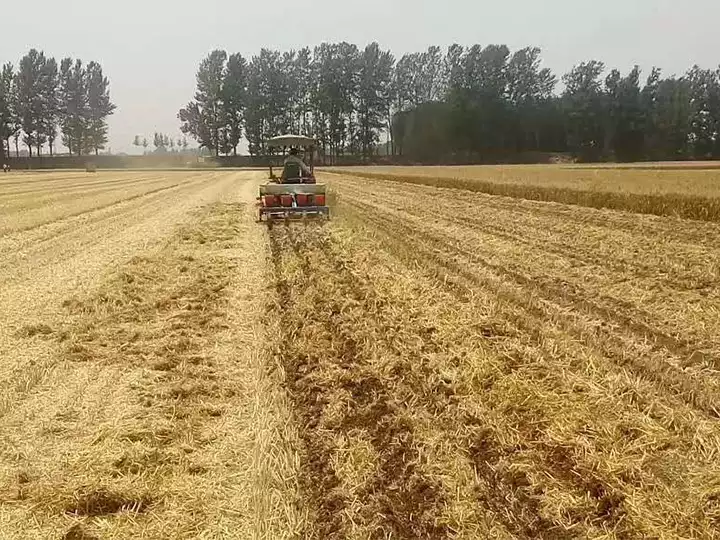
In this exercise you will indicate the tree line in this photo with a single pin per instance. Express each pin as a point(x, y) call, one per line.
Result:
point(162, 142)
point(41, 101)
point(474, 103)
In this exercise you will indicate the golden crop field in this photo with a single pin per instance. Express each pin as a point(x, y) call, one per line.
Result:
point(690, 190)
point(434, 362)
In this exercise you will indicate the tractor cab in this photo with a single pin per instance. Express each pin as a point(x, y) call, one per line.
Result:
point(295, 193)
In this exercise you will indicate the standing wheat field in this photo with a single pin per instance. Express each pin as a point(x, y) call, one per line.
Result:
point(690, 190)
point(439, 361)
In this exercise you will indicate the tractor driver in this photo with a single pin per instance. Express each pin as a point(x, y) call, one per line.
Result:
point(295, 158)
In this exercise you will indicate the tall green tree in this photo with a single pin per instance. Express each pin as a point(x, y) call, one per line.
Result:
point(30, 105)
point(203, 117)
point(667, 105)
point(374, 94)
point(335, 92)
point(73, 97)
point(99, 107)
point(7, 123)
point(268, 99)
point(529, 91)
point(50, 104)
point(471, 104)
point(625, 116)
point(584, 106)
point(705, 111)
point(304, 81)
point(234, 97)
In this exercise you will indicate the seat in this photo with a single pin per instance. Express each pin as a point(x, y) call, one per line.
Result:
point(292, 173)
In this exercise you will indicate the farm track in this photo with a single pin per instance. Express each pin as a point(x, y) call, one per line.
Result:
point(433, 363)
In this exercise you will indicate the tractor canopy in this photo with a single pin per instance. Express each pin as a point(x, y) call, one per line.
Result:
point(284, 141)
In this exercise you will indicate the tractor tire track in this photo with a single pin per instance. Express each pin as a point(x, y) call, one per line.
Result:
point(334, 371)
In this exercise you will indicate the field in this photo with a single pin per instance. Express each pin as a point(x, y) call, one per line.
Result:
point(436, 362)
point(690, 190)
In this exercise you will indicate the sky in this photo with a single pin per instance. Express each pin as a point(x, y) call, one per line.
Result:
point(150, 49)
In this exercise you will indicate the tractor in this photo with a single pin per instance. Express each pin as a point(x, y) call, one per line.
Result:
point(295, 194)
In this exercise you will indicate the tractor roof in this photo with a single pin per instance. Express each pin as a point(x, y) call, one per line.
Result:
point(290, 140)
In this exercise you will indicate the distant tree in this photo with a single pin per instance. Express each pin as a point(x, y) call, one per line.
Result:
point(472, 104)
point(99, 107)
point(159, 142)
point(529, 90)
point(705, 112)
point(6, 109)
point(336, 68)
point(136, 141)
point(145, 145)
point(268, 102)
point(374, 94)
point(234, 96)
point(667, 106)
point(304, 81)
point(202, 118)
point(74, 112)
point(67, 101)
point(584, 105)
point(624, 115)
point(50, 103)
point(30, 100)
point(10, 80)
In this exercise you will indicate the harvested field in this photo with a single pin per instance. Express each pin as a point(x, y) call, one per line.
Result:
point(136, 400)
point(684, 190)
point(433, 363)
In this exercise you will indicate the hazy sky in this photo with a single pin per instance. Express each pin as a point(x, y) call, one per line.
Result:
point(150, 49)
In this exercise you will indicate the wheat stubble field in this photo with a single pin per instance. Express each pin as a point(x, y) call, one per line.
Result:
point(436, 362)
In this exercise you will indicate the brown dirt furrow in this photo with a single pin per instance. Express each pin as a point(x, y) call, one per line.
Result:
point(329, 355)
point(388, 354)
